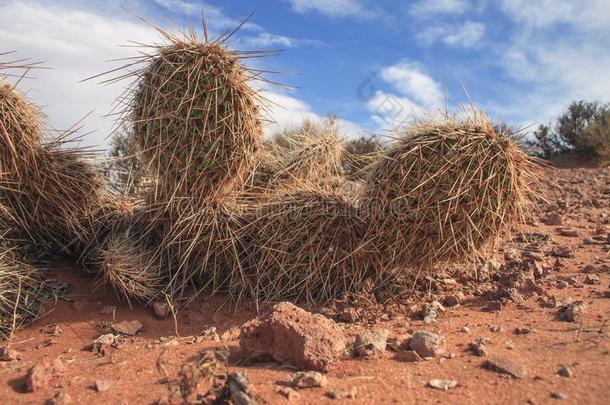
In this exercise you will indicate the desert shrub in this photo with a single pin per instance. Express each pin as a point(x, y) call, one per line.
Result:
point(359, 153)
point(582, 129)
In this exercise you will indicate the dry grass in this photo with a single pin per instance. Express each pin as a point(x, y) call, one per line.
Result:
point(306, 245)
point(52, 199)
point(131, 266)
point(308, 156)
point(446, 191)
point(48, 189)
point(203, 247)
point(21, 295)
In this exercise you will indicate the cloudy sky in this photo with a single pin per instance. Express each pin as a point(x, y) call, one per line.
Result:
point(376, 64)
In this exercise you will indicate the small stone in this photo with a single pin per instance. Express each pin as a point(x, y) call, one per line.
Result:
point(562, 251)
point(505, 366)
point(572, 280)
point(108, 310)
point(574, 312)
point(558, 395)
point(565, 371)
point(105, 344)
point(548, 302)
point(308, 379)
point(429, 314)
point(240, 389)
point(407, 356)
point(496, 328)
point(341, 394)
point(523, 331)
point(452, 300)
point(229, 334)
point(444, 385)
point(371, 343)
point(44, 375)
point(104, 385)
point(328, 312)
point(509, 345)
point(465, 329)
point(592, 279)
point(394, 344)
point(61, 398)
point(494, 306)
point(350, 315)
point(553, 219)
point(289, 393)
point(570, 233)
point(129, 328)
point(8, 354)
point(427, 344)
point(161, 309)
point(54, 330)
point(561, 284)
point(479, 346)
point(210, 333)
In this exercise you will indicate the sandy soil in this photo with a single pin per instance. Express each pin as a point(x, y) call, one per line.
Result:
point(583, 205)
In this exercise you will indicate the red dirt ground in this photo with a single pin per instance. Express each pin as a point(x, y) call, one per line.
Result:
point(585, 346)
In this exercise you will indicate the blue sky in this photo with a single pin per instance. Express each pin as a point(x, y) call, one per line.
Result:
point(376, 64)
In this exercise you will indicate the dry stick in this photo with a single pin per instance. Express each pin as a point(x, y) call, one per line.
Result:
point(14, 326)
point(171, 308)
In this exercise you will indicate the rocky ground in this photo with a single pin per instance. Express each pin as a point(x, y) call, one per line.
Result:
point(535, 331)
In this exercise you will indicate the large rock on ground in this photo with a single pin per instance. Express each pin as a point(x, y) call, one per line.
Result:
point(44, 375)
point(291, 335)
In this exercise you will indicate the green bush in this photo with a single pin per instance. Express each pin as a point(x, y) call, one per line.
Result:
point(583, 129)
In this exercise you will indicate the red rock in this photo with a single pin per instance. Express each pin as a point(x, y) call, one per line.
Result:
point(44, 375)
point(505, 366)
point(427, 344)
point(291, 335)
point(130, 328)
point(161, 309)
point(407, 356)
point(8, 354)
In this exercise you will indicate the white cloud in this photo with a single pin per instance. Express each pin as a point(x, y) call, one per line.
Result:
point(466, 35)
point(580, 15)
point(409, 79)
point(415, 94)
point(390, 111)
point(214, 16)
point(558, 54)
point(284, 111)
point(75, 44)
point(333, 8)
point(264, 39)
point(541, 12)
point(267, 40)
point(432, 7)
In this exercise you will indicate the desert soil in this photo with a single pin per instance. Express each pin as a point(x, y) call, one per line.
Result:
point(526, 330)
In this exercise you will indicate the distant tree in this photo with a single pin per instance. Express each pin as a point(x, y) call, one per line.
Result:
point(582, 129)
point(596, 137)
point(360, 152)
point(123, 166)
point(544, 141)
